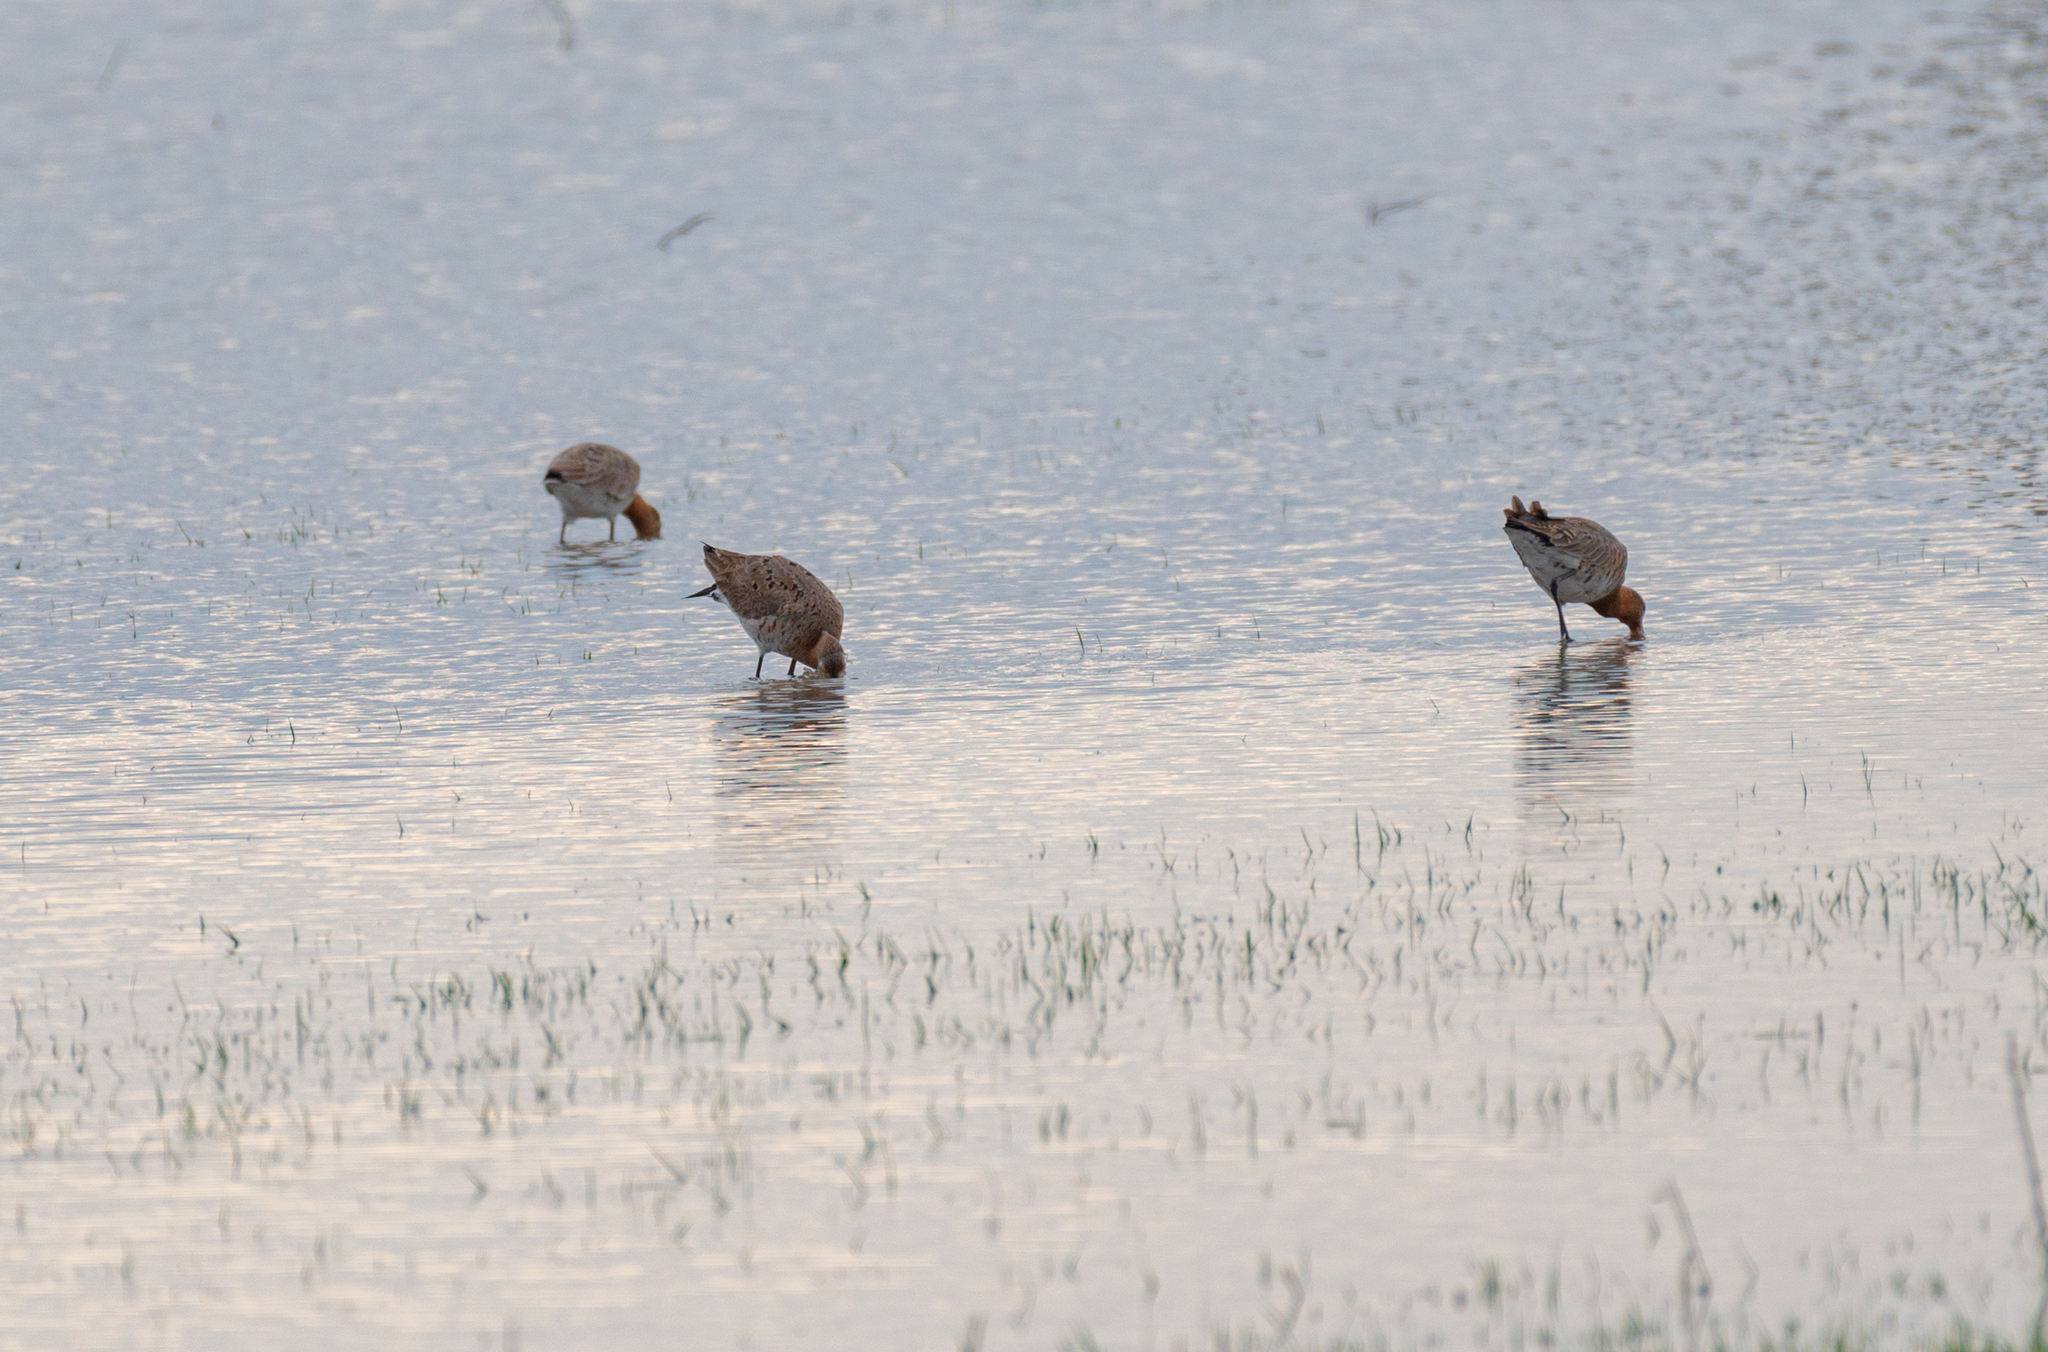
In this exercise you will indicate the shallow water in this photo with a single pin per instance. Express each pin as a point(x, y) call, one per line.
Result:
point(1213, 901)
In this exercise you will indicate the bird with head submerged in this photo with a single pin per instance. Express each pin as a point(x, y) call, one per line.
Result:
point(591, 479)
point(1574, 559)
point(782, 607)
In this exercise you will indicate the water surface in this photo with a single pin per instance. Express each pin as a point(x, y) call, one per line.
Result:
point(1213, 901)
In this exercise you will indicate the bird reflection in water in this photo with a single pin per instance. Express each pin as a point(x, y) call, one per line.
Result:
point(779, 754)
point(1574, 753)
point(598, 561)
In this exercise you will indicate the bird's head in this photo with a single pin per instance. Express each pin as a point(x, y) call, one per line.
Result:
point(646, 521)
point(828, 658)
point(1627, 606)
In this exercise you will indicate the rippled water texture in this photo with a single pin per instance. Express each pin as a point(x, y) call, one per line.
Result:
point(1213, 904)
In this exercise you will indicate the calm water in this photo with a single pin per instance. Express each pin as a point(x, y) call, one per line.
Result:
point(1213, 902)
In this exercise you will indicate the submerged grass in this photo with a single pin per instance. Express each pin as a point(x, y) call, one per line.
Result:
point(826, 1084)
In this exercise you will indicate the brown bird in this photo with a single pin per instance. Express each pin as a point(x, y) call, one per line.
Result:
point(595, 480)
point(782, 607)
point(1574, 559)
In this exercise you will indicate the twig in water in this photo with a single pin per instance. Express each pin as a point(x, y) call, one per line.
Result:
point(1375, 211)
point(1693, 1279)
point(685, 228)
point(561, 13)
point(106, 80)
point(1297, 1296)
point(2019, 1112)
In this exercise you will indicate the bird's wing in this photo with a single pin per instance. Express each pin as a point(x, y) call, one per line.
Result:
point(604, 468)
point(757, 585)
point(799, 593)
point(1600, 558)
point(751, 583)
point(830, 613)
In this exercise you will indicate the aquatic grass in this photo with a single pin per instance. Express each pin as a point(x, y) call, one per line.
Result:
point(1635, 1331)
point(870, 1055)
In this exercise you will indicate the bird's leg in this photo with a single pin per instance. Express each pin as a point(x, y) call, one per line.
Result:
point(757, 665)
point(1564, 635)
point(792, 666)
point(562, 537)
point(615, 529)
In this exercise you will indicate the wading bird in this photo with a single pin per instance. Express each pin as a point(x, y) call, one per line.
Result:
point(781, 606)
point(1574, 559)
point(595, 480)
